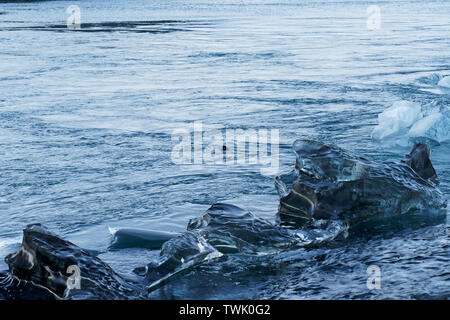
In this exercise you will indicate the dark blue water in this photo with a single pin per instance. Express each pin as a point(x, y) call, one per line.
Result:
point(86, 122)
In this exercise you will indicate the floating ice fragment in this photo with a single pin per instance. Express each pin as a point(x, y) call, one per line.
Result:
point(435, 127)
point(331, 184)
point(39, 270)
point(396, 119)
point(444, 82)
point(409, 120)
point(138, 238)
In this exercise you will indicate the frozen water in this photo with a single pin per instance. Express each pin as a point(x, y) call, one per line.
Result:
point(85, 137)
point(444, 82)
point(435, 127)
point(410, 120)
point(330, 183)
point(396, 119)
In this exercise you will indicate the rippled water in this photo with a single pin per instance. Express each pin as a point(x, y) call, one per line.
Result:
point(86, 122)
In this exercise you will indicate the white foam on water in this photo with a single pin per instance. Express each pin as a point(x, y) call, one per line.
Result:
point(112, 231)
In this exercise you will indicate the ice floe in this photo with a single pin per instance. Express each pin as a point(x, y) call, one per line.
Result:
point(398, 118)
point(435, 127)
point(444, 82)
point(407, 120)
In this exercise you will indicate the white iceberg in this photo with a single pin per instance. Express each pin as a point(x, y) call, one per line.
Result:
point(435, 127)
point(408, 120)
point(444, 82)
point(396, 119)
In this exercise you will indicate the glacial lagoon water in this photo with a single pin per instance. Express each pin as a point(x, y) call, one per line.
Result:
point(87, 118)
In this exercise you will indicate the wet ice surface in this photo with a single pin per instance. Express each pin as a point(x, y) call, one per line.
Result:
point(224, 231)
point(326, 273)
point(329, 183)
point(86, 122)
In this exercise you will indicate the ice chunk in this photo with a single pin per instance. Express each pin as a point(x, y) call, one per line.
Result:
point(231, 229)
point(330, 183)
point(396, 119)
point(435, 127)
point(434, 106)
point(444, 82)
point(40, 270)
point(138, 238)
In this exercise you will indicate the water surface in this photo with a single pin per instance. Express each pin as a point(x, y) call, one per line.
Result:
point(86, 121)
